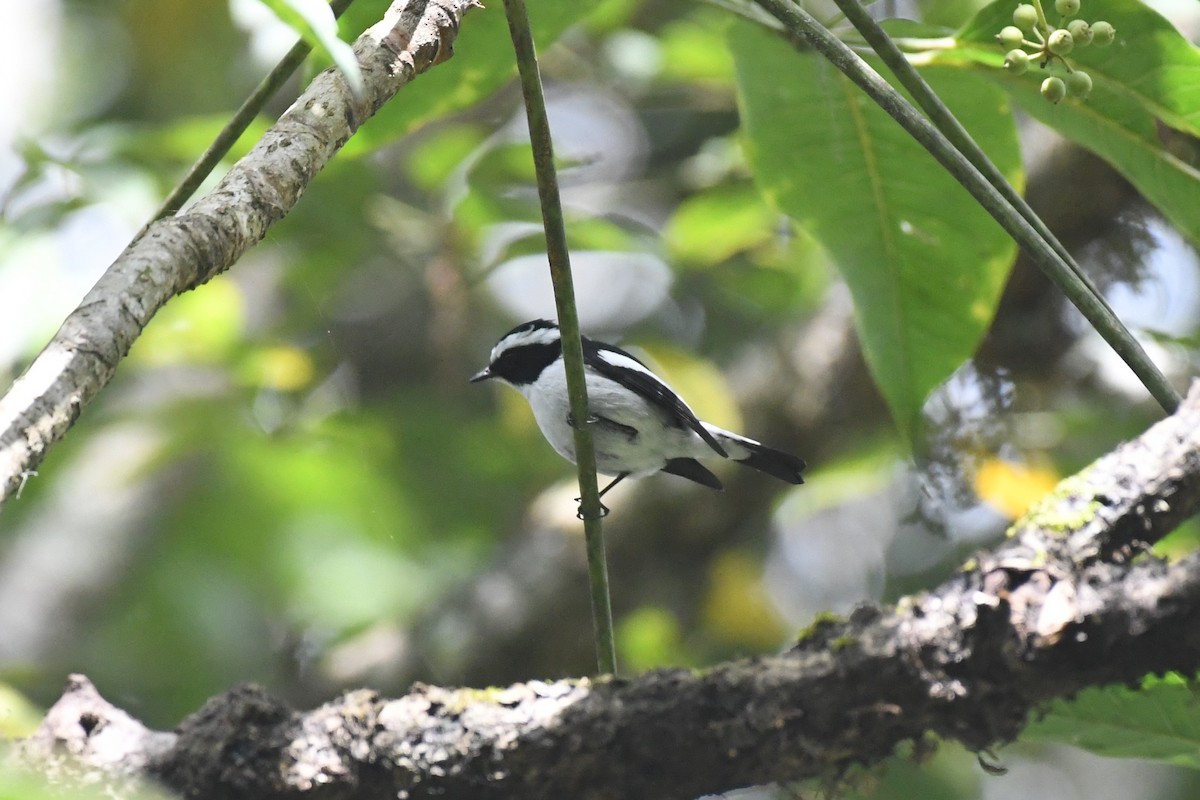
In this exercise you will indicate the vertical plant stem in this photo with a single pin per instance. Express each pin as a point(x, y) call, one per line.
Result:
point(237, 125)
point(568, 323)
point(805, 28)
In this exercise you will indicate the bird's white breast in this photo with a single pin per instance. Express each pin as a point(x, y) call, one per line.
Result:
point(616, 452)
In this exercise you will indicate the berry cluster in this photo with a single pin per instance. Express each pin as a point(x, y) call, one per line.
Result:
point(1049, 46)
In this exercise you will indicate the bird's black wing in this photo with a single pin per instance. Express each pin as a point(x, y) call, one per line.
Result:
point(622, 367)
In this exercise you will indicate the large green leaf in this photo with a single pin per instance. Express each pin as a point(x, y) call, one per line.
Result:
point(924, 263)
point(1160, 722)
point(1146, 93)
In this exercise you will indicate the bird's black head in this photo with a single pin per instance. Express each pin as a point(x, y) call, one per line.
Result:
point(522, 353)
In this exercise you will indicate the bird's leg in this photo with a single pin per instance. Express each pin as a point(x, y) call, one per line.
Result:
point(615, 481)
point(603, 508)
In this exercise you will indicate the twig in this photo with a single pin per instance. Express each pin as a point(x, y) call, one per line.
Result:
point(889, 52)
point(237, 125)
point(568, 324)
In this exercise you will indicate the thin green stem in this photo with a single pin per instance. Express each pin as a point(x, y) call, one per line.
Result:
point(237, 125)
point(568, 324)
point(804, 27)
point(1043, 23)
point(941, 116)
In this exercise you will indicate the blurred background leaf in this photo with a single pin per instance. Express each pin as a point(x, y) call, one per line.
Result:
point(313, 21)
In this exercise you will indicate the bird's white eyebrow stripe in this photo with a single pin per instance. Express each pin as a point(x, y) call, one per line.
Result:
point(537, 336)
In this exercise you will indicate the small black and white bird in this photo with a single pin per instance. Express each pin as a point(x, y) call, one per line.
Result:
point(639, 424)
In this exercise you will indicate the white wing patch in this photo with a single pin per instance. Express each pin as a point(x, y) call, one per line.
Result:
point(625, 362)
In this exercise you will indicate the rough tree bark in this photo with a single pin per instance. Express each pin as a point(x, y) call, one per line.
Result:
point(1061, 606)
point(184, 251)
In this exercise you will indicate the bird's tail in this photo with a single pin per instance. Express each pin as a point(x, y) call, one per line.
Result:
point(777, 463)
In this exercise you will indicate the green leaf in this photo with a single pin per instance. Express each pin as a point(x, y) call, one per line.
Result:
point(715, 225)
point(1144, 105)
point(650, 637)
point(924, 263)
point(1159, 722)
point(314, 22)
point(692, 51)
point(432, 162)
point(195, 328)
point(18, 716)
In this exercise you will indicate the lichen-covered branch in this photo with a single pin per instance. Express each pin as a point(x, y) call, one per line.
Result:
point(184, 251)
point(1058, 608)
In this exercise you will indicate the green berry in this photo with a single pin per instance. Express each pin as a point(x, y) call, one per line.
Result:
point(1081, 32)
point(1079, 84)
point(1016, 62)
point(1025, 17)
point(1054, 90)
point(1103, 33)
point(1060, 42)
point(1067, 8)
point(1010, 37)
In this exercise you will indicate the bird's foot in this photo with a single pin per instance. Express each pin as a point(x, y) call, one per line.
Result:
point(580, 515)
point(591, 419)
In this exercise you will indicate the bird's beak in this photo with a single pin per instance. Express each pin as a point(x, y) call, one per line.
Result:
point(482, 375)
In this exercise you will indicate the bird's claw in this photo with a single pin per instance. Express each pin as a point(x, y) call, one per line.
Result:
point(580, 515)
point(591, 419)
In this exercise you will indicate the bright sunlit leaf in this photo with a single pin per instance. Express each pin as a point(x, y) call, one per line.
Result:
point(314, 22)
point(1012, 488)
point(693, 51)
point(649, 637)
point(737, 610)
point(282, 368)
point(343, 581)
point(197, 327)
point(483, 62)
point(18, 716)
point(712, 226)
point(1181, 542)
point(182, 138)
point(435, 159)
